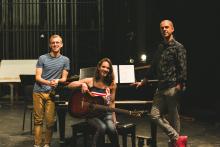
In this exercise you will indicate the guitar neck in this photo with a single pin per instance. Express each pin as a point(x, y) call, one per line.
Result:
point(106, 108)
point(117, 110)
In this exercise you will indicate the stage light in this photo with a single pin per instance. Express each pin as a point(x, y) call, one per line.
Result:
point(131, 60)
point(42, 36)
point(143, 57)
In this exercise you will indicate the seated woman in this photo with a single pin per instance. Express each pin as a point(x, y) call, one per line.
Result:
point(103, 86)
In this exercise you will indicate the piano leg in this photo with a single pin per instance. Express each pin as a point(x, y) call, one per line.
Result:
point(153, 134)
point(11, 93)
point(61, 112)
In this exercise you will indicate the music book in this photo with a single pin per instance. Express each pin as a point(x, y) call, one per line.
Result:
point(124, 73)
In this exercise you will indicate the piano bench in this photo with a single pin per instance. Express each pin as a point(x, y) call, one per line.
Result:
point(125, 130)
point(142, 139)
point(81, 129)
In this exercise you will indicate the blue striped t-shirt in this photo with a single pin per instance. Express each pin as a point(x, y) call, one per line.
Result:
point(52, 68)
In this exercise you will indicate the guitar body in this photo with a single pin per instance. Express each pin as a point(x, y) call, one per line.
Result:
point(88, 105)
point(78, 109)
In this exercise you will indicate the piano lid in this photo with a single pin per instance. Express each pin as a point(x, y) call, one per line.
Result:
point(87, 72)
point(11, 69)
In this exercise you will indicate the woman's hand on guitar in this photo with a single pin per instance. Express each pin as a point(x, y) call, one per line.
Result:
point(84, 88)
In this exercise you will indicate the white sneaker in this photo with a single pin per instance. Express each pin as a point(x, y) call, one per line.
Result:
point(36, 145)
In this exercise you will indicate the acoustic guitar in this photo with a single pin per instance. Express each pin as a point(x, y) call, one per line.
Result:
point(87, 105)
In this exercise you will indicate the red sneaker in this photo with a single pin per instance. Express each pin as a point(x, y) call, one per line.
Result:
point(181, 141)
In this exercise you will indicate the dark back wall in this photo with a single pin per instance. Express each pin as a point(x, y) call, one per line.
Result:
point(196, 26)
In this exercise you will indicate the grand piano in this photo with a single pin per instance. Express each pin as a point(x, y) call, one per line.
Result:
point(127, 97)
point(10, 71)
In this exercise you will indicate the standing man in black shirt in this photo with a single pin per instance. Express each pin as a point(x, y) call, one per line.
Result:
point(169, 67)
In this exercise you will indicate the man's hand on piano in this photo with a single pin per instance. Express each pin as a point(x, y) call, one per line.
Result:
point(139, 84)
point(136, 84)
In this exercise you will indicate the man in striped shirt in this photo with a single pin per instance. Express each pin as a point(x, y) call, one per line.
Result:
point(52, 68)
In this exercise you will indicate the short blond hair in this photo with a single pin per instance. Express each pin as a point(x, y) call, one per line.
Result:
point(56, 36)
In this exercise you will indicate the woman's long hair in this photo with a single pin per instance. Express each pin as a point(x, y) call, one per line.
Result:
point(110, 76)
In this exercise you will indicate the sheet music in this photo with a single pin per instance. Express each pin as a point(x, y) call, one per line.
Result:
point(126, 73)
point(115, 71)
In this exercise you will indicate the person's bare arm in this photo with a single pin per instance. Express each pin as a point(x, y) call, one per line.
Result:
point(83, 84)
point(39, 79)
point(64, 76)
point(53, 82)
